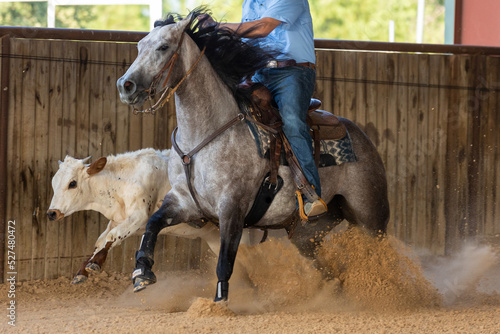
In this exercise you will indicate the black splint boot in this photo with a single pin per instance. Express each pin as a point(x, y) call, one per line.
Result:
point(142, 275)
point(222, 291)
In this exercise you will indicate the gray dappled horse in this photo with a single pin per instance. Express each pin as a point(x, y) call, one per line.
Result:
point(204, 66)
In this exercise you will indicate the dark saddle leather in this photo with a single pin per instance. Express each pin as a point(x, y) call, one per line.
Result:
point(324, 125)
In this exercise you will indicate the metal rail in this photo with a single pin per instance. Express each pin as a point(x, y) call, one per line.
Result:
point(135, 36)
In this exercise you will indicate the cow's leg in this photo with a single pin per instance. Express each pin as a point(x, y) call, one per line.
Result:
point(116, 232)
point(96, 262)
point(82, 274)
point(142, 274)
point(231, 230)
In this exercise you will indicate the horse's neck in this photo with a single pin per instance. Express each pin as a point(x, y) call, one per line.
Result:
point(203, 102)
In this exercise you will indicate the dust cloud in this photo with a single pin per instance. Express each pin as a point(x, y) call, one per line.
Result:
point(467, 276)
point(353, 272)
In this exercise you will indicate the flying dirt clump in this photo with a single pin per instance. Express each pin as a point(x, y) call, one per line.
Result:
point(376, 273)
point(203, 307)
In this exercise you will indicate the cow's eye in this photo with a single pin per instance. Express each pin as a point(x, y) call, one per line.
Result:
point(72, 185)
point(164, 47)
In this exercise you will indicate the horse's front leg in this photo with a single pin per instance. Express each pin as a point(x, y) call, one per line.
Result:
point(231, 229)
point(142, 275)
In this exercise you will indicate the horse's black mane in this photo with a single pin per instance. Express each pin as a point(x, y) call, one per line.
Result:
point(232, 57)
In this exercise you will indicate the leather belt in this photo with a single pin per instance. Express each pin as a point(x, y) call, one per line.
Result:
point(289, 62)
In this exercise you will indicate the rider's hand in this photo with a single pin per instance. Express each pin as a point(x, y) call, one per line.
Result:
point(206, 21)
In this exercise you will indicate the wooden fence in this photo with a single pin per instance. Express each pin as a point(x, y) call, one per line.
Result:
point(433, 118)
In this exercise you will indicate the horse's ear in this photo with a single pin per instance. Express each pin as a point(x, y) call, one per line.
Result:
point(97, 166)
point(184, 23)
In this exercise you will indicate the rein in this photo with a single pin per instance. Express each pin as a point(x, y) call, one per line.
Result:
point(186, 158)
point(164, 98)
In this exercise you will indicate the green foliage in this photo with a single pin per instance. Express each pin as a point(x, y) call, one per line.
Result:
point(28, 14)
point(333, 19)
point(129, 17)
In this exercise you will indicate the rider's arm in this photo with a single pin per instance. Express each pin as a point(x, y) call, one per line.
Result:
point(253, 29)
point(249, 29)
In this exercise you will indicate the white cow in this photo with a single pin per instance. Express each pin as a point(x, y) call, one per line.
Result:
point(127, 189)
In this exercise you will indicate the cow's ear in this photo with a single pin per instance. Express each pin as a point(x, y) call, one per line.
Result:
point(97, 166)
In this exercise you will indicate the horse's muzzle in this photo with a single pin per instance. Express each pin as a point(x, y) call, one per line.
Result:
point(128, 91)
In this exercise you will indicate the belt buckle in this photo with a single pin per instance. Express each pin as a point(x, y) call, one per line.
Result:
point(272, 63)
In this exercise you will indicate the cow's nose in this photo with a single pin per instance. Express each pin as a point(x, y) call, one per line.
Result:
point(54, 214)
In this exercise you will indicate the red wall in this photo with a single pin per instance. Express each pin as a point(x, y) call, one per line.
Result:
point(480, 24)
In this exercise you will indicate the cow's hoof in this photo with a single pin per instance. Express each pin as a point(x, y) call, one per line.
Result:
point(79, 279)
point(141, 283)
point(93, 267)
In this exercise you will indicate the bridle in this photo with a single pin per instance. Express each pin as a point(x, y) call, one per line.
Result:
point(186, 158)
point(166, 92)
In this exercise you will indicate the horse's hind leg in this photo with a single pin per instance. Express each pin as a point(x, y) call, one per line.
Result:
point(309, 237)
point(369, 208)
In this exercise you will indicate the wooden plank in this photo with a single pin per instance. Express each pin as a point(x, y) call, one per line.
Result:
point(490, 158)
point(475, 147)
point(40, 186)
point(361, 104)
point(495, 197)
point(349, 110)
point(455, 196)
point(422, 219)
point(399, 212)
point(339, 84)
point(435, 149)
point(14, 145)
point(413, 151)
point(4, 154)
point(383, 74)
point(109, 98)
point(324, 79)
point(27, 138)
point(390, 135)
point(369, 124)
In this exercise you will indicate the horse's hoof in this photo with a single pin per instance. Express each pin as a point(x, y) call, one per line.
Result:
point(142, 278)
point(79, 279)
point(141, 284)
point(93, 267)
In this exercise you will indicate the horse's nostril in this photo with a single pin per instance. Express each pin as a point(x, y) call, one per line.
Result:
point(129, 86)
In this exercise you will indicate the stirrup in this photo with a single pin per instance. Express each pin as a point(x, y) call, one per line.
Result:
point(305, 218)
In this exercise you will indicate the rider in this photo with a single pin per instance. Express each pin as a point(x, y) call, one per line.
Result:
point(286, 26)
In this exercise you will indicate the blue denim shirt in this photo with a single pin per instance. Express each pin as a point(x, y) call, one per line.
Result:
point(294, 36)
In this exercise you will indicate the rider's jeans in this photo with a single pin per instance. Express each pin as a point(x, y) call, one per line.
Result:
point(292, 88)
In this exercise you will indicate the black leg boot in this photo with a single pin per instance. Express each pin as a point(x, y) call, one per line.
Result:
point(222, 291)
point(143, 275)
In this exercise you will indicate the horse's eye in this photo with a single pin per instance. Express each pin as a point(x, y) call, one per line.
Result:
point(72, 185)
point(164, 47)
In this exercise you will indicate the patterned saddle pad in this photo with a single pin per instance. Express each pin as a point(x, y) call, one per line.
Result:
point(332, 152)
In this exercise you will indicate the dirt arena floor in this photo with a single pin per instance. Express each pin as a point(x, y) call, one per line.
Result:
point(362, 286)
